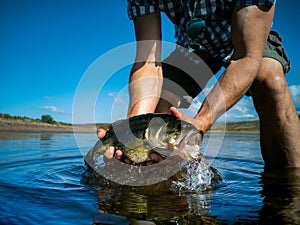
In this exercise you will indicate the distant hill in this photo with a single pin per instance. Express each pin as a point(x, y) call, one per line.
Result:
point(23, 123)
point(237, 127)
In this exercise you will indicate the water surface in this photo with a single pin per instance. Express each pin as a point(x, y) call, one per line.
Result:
point(41, 183)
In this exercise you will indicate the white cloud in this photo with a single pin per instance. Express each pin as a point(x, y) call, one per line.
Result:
point(242, 110)
point(295, 93)
point(112, 94)
point(48, 97)
point(118, 98)
point(52, 109)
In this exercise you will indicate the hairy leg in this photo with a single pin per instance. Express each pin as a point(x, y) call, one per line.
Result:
point(279, 123)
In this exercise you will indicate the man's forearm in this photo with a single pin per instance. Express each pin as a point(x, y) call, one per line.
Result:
point(231, 86)
point(249, 30)
point(145, 88)
point(146, 75)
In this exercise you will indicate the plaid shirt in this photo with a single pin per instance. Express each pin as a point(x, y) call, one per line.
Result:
point(216, 37)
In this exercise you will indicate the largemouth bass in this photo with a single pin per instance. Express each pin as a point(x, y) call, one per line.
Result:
point(142, 135)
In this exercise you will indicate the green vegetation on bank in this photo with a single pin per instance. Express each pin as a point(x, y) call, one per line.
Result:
point(44, 119)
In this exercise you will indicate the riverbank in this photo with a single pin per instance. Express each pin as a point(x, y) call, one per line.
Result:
point(29, 125)
point(243, 127)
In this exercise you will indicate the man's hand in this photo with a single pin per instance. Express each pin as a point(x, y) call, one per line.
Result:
point(181, 116)
point(113, 152)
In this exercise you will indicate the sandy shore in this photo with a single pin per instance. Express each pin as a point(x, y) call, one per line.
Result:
point(11, 125)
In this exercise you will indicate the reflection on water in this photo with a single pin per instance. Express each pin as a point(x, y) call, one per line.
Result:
point(45, 140)
point(281, 193)
point(46, 136)
point(160, 203)
point(159, 209)
point(41, 183)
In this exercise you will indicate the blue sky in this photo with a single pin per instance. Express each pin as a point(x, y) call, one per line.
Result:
point(48, 46)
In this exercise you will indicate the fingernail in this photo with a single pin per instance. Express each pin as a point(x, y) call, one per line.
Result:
point(111, 149)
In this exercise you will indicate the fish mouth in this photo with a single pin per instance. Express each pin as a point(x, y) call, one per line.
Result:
point(188, 145)
point(184, 142)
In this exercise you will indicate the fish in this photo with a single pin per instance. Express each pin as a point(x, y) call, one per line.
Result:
point(141, 135)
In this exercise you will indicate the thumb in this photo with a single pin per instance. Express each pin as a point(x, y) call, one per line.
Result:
point(175, 112)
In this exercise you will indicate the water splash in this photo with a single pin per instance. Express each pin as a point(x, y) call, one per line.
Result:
point(196, 176)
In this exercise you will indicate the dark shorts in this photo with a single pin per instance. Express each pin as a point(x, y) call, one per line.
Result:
point(184, 75)
point(275, 50)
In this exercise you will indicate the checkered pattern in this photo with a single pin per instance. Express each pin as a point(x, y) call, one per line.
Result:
point(216, 37)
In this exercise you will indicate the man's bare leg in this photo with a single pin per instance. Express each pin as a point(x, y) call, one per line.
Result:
point(279, 123)
point(166, 101)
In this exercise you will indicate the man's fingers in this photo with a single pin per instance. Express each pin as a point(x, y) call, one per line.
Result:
point(175, 112)
point(112, 152)
point(127, 161)
point(156, 158)
point(101, 133)
point(118, 155)
point(109, 154)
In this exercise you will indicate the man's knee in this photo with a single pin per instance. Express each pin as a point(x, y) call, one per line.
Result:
point(272, 77)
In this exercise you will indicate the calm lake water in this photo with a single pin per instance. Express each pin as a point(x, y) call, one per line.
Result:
point(41, 183)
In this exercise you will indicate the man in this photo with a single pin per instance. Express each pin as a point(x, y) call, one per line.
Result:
point(258, 65)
